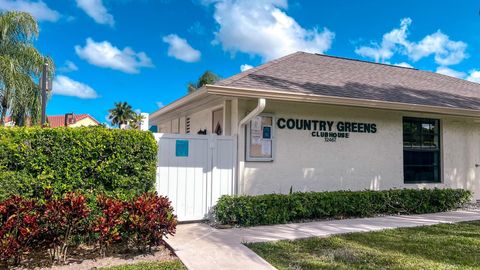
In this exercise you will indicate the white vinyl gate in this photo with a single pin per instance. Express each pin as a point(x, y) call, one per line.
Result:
point(193, 171)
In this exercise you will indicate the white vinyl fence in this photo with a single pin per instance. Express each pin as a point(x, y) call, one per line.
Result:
point(193, 171)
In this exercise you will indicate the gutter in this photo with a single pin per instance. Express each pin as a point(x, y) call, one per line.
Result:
point(262, 102)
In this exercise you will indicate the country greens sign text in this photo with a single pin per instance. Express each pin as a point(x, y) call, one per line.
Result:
point(329, 130)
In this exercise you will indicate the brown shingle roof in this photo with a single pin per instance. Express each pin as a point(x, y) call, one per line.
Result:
point(340, 77)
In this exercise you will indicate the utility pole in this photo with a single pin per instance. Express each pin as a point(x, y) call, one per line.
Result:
point(44, 94)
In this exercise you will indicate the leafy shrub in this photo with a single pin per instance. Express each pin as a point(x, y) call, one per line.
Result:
point(20, 183)
point(19, 228)
point(283, 208)
point(94, 160)
point(150, 218)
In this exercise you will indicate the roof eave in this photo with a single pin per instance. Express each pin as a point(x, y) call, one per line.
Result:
point(330, 100)
point(198, 94)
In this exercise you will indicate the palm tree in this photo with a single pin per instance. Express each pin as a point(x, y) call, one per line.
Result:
point(207, 78)
point(20, 65)
point(122, 114)
point(136, 121)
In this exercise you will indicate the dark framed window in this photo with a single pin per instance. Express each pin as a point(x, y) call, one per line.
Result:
point(421, 150)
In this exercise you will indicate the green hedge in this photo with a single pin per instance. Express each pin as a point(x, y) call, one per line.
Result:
point(283, 208)
point(120, 162)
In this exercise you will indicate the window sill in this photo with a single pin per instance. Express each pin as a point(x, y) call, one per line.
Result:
point(417, 183)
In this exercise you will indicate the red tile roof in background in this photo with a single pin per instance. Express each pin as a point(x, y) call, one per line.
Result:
point(59, 120)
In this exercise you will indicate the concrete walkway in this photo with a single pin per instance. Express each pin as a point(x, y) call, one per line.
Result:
point(200, 246)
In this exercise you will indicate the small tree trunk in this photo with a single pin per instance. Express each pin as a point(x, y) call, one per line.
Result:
point(4, 104)
point(2, 115)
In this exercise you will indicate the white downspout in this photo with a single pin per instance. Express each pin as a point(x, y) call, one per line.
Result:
point(241, 159)
point(258, 110)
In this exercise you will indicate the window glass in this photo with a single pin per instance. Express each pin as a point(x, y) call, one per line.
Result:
point(421, 150)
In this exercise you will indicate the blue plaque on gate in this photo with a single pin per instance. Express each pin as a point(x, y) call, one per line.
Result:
point(181, 148)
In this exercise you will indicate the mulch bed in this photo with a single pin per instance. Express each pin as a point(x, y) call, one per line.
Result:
point(87, 257)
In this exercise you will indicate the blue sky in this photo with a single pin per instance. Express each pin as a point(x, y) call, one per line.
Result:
point(146, 51)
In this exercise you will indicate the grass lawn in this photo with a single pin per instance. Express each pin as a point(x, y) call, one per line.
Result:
point(170, 265)
point(445, 246)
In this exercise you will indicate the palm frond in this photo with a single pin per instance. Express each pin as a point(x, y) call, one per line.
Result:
point(21, 65)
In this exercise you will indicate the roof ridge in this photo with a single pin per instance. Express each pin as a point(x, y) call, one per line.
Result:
point(241, 75)
point(245, 73)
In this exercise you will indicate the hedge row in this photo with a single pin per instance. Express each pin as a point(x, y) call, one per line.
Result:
point(120, 162)
point(283, 208)
point(54, 225)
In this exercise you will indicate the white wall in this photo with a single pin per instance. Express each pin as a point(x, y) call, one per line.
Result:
point(461, 141)
point(164, 127)
point(144, 123)
point(363, 161)
point(200, 119)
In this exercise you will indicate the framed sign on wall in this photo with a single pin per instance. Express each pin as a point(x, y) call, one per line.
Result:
point(260, 138)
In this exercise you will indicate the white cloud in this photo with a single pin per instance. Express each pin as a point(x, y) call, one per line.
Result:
point(474, 76)
point(180, 49)
point(160, 104)
point(38, 9)
point(69, 66)
point(403, 64)
point(197, 28)
point(64, 86)
point(96, 10)
point(445, 51)
point(104, 54)
point(245, 67)
point(263, 28)
point(385, 50)
point(450, 72)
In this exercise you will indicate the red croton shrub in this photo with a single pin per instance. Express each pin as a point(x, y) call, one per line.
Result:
point(62, 220)
point(52, 224)
point(19, 228)
point(150, 218)
point(109, 224)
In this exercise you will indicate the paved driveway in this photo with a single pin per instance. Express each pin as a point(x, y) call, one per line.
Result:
point(201, 247)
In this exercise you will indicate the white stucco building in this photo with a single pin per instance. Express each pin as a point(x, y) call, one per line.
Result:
point(316, 123)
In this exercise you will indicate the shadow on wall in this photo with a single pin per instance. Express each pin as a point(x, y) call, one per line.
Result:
point(312, 180)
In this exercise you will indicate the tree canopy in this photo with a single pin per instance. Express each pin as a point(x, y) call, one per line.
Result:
point(207, 77)
point(121, 114)
point(21, 65)
point(136, 121)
